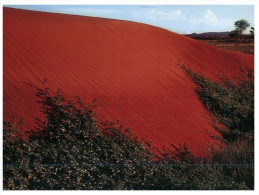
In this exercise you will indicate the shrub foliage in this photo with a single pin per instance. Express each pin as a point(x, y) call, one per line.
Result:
point(71, 150)
point(231, 104)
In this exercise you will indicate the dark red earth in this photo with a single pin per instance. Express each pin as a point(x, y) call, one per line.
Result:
point(130, 68)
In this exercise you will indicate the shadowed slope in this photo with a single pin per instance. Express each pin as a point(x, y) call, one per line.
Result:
point(131, 69)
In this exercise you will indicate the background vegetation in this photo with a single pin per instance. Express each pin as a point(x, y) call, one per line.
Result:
point(235, 40)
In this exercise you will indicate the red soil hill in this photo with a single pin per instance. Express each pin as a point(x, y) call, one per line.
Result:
point(131, 69)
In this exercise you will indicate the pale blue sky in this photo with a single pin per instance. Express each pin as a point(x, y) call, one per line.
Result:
point(178, 18)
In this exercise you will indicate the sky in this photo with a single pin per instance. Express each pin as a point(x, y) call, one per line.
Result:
point(183, 19)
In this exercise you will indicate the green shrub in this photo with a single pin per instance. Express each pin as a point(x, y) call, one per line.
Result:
point(71, 150)
point(70, 137)
point(231, 104)
point(233, 34)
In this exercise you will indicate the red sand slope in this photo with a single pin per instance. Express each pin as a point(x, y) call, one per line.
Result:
point(130, 68)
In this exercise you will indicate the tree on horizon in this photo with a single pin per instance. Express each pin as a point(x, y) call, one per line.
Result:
point(241, 26)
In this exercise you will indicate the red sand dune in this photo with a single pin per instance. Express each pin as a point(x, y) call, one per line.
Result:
point(131, 69)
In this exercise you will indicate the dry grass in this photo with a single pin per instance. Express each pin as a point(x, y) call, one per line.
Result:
point(245, 45)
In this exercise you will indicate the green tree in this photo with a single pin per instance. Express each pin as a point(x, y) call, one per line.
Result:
point(241, 26)
point(252, 31)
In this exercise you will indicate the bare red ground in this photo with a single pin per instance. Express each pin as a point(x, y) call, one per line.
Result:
point(131, 69)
